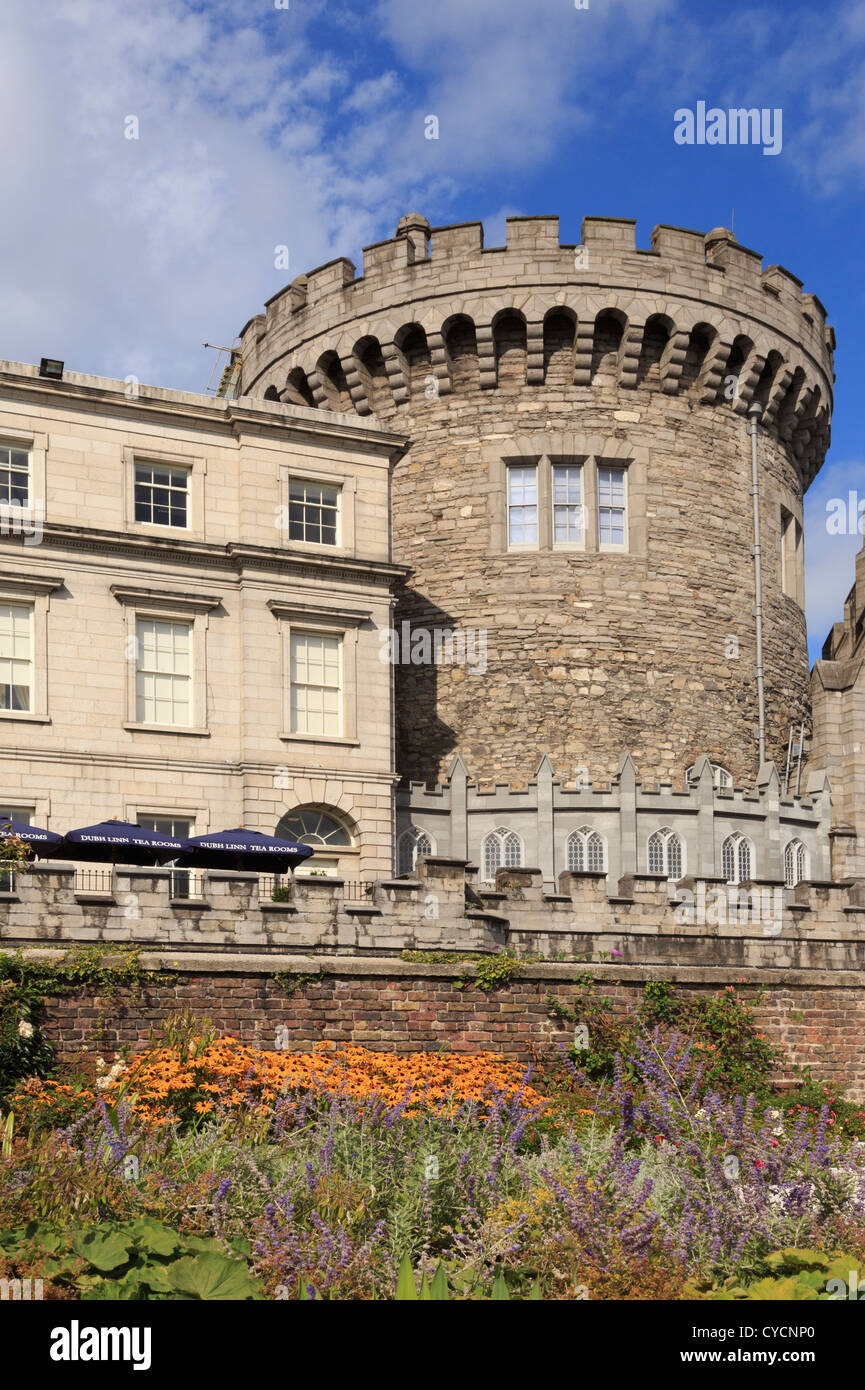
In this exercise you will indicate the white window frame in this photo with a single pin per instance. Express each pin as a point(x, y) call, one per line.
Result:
point(334, 641)
point(721, 778)
point(174, 471)
point(346, 490)
point(33, 592)
point(35, 444)
point(412, 839)
point(613, 466)
point(179, 680)
point(196, 471)
point(325, 621)
point(733, 845)
point(667, 834)
point(501, 836)
point(297, 482)
point(21, 614)
point(510, 472)
point(164, 606)
point(583, 838)
point(797, 862)
point(565, 466)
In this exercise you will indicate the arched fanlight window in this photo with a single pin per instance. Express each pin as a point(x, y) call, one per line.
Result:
point(666, 853)
point(720, 776)
point(410, 844)
point(795, 863)
point(737, 858)
point(311, 825)
point(586, 851)
point(501, 848)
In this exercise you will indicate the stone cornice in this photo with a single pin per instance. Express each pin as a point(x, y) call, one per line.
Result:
point(39, 584)
point(236, 558)
point(214, 413)
point(143, 596)
point(287, 608)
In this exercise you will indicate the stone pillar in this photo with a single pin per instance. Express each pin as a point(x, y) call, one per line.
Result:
point(627, 856)
point(458, 780)
point(769, 846)
point(546, 859)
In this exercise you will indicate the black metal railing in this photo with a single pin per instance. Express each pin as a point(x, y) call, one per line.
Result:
point(187, 883)
point(278, 887)
point(94, 880)
point(7, 881)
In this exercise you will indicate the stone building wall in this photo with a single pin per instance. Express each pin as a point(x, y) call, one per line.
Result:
point(79, 754)
point(599, 352)
point(838, 696)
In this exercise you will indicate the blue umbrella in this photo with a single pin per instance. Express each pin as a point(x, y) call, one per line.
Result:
point(40, 841)
point(242, 850)
point(118, 842)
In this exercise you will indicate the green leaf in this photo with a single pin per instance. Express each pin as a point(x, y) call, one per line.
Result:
point(425, 1295)
point(153, 1237)
point(535, 1294)
point(106, 1250)
point(405, 1289)
point(439, 1287)
point(500, 1288)
point(213, 1277)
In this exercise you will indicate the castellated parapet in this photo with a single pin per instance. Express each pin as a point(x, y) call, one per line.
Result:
point(602, 355)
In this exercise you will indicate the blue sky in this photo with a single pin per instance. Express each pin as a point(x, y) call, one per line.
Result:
point(304, 126)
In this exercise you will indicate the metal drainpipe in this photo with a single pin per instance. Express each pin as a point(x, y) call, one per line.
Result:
point(755, 412)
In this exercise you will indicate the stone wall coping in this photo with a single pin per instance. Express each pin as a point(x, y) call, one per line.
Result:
point(213, 963)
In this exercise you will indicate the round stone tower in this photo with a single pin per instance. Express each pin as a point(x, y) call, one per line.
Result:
point(576, 500)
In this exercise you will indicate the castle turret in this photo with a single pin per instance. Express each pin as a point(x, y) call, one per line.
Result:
point(578, 483)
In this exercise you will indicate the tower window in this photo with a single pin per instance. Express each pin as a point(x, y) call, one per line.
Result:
point(522, 506)
point(612, 508)
point(568, 505)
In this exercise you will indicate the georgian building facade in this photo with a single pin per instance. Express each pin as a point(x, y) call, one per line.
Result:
point(191, 595)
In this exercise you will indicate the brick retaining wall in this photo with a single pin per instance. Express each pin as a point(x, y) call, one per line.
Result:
point(815, 1017)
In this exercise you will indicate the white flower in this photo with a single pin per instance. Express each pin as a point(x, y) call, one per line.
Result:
point(25, 1029)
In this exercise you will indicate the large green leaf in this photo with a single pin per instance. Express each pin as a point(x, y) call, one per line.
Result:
point(439, 1287)
point(500, 1288)
point(212, 1276)
point(152, 1236)
point(104, 1249)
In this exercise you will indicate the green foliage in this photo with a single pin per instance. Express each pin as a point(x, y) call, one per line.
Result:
point(437, 1289)
point(188, 1032)
point(720, 1028)
point(281, 893)
point(791, 1275)
point(492, 971)
point(141, 1259)
point(24, 1051)
point(292, 983)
